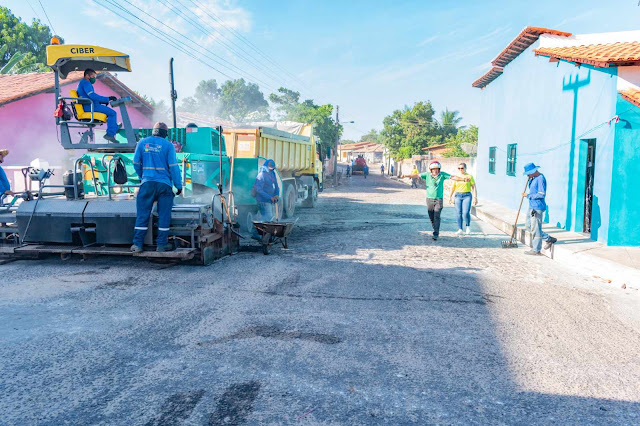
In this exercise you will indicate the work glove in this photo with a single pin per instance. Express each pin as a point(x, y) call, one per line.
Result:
point(179, 191)
point(112, 98)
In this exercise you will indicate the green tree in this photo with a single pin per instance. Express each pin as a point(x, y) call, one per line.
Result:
point(27, 42)
point(207, 97)
point(450, 122)
point(188, 104)
point(241, 101)
point(289, 107)
point(371, 136)
point(463, 144)
point(409, 130)
point(346, 141)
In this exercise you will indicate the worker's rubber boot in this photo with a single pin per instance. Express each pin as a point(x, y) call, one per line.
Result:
point(165, 247)
point(551, 241)
point(110, 138)
point(136, 249)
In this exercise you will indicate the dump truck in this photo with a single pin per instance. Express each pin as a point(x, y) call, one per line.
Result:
point(296, 157)
point(90, 214)
point(358, 165)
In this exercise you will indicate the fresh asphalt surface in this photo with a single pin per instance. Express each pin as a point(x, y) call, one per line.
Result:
point(365, 320)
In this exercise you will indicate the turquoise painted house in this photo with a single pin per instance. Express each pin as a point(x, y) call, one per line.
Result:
point(570, 104)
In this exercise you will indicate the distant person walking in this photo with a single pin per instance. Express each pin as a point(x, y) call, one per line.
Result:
point(434, 181)
point(348, 170)
point(366, 171)
point(391, 170)
point(382, 169)
point(414, 172)
point(463, 198)
point(537, 207)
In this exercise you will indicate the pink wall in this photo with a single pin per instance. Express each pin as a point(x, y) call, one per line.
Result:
point(29, 130)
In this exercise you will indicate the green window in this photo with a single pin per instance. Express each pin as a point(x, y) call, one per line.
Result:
point(492, 160)
point(511, 159)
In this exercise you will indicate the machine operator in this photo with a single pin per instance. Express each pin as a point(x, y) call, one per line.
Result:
point(5, 185)
point(156, 164)
point(85, 90)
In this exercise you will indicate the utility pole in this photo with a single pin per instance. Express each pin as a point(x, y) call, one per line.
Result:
point(173, 94)
point(335, 149)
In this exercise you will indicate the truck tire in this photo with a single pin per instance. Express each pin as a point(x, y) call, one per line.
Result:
point(289, 201)
point(246, 218)
point(312, 196)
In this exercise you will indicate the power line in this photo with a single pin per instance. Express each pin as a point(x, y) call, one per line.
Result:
point(162, 40)
point(34, 11)
point(249, 60)
point(47, 16)
point(223, 63)
point(213, 16)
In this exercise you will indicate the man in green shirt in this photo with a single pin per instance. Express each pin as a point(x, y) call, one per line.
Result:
point(435, 192)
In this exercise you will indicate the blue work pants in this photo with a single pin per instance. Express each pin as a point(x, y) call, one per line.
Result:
point(463, 207)
point(534, 225)
point(149, 193)
point(112, 118)
point(266, 214)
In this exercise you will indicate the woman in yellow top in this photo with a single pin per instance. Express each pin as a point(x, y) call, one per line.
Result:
point(462, 191)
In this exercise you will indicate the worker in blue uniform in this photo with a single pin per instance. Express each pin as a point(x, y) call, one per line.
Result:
point(156, 164)
point(85, 90)
point(267, 192)
point(5, 185)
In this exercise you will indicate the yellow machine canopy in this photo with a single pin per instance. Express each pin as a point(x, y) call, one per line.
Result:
point(65, 58)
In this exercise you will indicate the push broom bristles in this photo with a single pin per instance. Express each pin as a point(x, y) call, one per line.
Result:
point(509, 244)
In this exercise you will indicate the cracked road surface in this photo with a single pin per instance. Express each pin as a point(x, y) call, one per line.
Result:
point(365, 320)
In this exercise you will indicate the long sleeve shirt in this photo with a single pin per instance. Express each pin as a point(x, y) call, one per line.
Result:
point(266, 185)
point(4, 182)
point(155, 161)
point(85, 90)
point(537, 193)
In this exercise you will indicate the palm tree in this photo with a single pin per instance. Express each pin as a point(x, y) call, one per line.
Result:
point(450, 121)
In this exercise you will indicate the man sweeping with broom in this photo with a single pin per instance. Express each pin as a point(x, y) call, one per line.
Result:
point(537, 207)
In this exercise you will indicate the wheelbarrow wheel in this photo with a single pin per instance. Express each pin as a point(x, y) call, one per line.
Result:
point(266, 244)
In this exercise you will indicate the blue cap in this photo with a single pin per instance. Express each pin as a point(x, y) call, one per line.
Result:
point(530, 169)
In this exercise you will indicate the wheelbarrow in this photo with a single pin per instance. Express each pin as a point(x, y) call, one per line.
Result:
point(272, 233)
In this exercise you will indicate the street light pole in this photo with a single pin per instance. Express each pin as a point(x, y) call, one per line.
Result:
point(335, 149)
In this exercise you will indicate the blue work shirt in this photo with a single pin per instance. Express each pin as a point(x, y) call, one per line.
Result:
point(4, 182)
point(537, 192)
point(85, 90)
point(266, 184)
point(155, 161)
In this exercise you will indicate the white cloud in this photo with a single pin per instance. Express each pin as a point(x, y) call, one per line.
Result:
point(428, 40)
point(577, 18)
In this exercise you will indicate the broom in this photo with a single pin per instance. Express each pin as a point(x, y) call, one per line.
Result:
point(512, 243)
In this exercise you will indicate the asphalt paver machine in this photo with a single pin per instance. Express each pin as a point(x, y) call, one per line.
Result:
point(90, 214)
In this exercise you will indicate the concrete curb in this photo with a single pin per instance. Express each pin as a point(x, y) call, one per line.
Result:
point(569, 254)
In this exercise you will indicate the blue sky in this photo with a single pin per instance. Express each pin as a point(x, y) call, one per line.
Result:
point(369, 57)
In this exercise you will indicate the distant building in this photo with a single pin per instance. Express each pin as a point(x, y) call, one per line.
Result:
point(372, 152)
point(436, 151)
point(570, 104)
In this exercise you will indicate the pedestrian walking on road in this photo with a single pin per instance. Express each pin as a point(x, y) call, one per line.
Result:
point(366, 171)
point(463, 198)
point(434, 181)
point(391, 170)
point(414, 172)
point(537, 207)
point(348, 170)
point(382, 169)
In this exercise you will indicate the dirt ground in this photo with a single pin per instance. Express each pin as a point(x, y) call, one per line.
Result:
point(364, 320)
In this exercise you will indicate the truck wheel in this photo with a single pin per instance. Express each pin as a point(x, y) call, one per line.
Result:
point(312, 196)
point(290, 199)
point(245, 219)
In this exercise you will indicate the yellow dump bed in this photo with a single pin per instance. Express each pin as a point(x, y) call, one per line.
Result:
point(294, 154)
